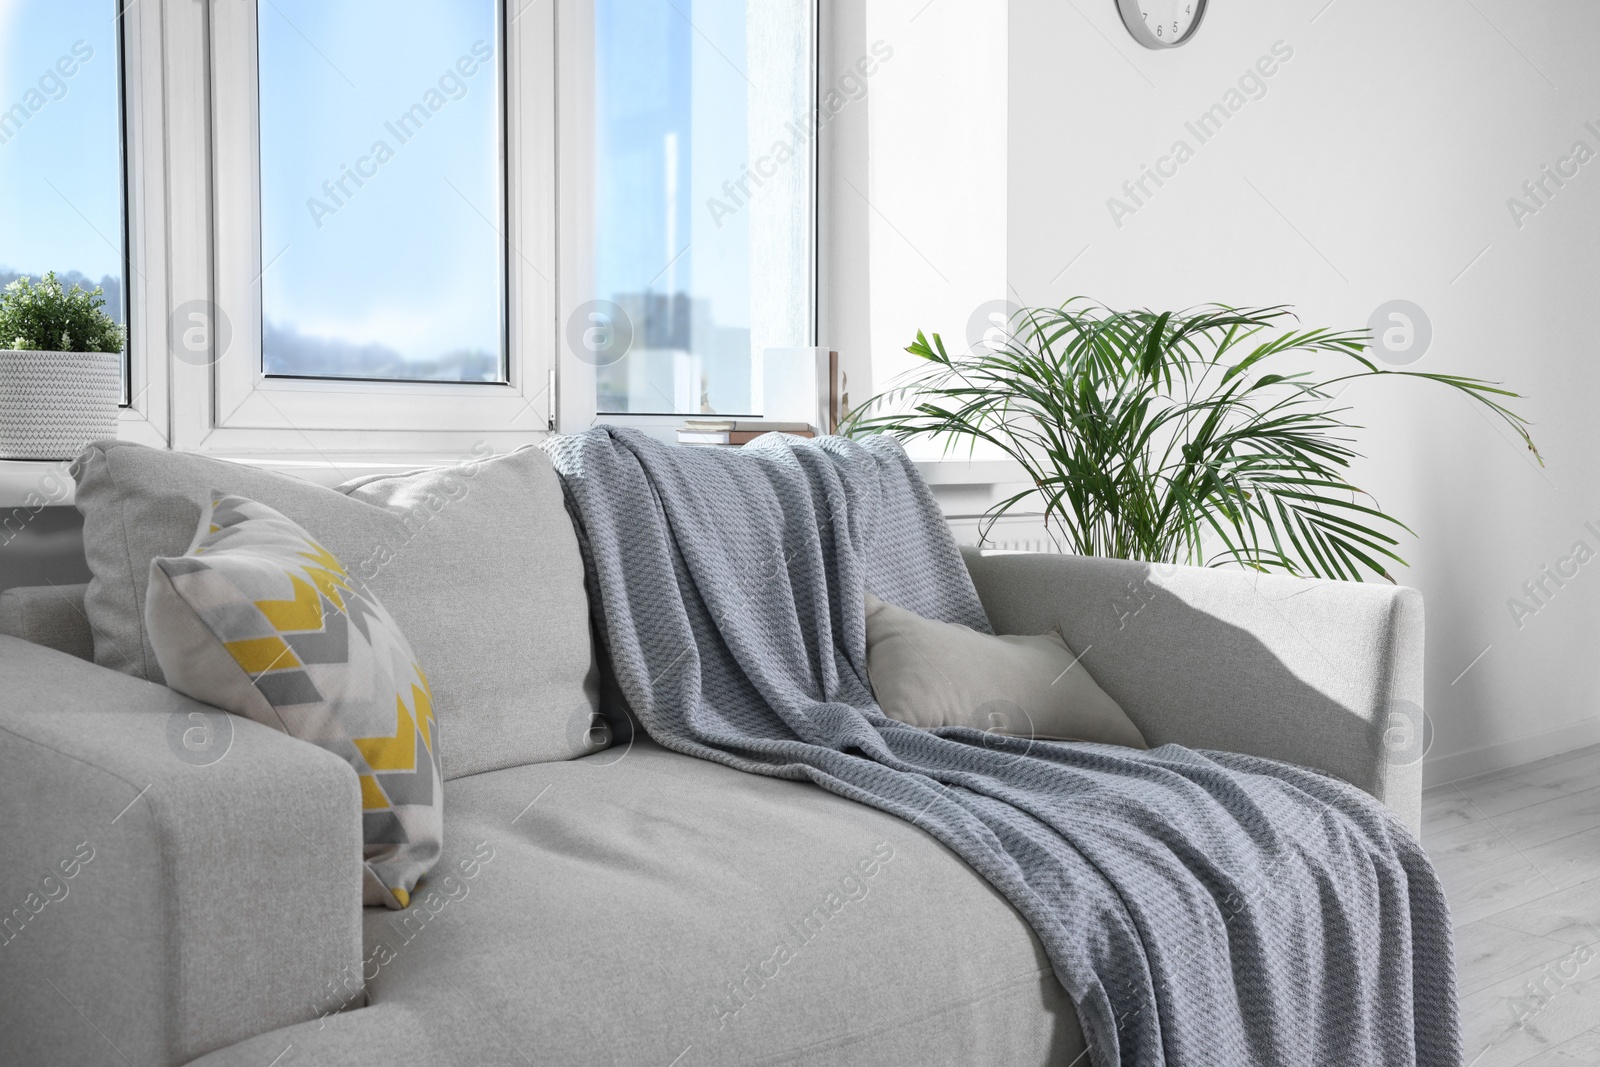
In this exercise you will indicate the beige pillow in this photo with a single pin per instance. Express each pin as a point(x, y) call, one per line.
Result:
point(933, 674)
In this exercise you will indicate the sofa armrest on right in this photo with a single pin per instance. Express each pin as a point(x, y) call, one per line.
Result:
point(158, 897)
point(1323, 674)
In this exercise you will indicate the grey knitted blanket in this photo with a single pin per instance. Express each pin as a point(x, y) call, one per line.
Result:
point(1201, 909)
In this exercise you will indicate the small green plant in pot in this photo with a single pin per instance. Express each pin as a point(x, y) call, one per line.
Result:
point(60, 369)
point(1205, 437)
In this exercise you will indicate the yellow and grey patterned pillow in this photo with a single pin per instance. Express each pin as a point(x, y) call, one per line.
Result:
point(259, 619)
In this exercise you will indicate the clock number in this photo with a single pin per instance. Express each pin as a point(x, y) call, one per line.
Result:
point(1174, 21)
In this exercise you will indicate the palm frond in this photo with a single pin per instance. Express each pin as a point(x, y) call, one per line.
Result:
point(1205, 436)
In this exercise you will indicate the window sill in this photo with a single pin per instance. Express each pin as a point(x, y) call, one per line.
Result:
point(938, 472)
point(29, 483)
point(34, 483)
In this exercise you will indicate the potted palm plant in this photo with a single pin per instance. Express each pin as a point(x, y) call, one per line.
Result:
point(60, 369)
point(1204, 437)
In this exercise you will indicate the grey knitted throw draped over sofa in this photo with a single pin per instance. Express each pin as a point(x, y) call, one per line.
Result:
point(1201, 909)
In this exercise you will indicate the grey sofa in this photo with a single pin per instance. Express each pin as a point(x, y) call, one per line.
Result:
point(623, 907)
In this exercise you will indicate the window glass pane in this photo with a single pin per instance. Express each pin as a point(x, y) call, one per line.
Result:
point(61, 202)
point(381, 210)
point(703, 216)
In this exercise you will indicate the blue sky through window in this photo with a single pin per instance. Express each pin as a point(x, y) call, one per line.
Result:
point(671, 104)
point(702, 200)
point(380, 189)
point(60, 143)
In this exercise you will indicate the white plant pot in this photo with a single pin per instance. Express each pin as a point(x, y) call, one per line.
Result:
point(54, 403)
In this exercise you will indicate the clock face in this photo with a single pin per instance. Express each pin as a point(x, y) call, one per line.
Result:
point(1162, 23)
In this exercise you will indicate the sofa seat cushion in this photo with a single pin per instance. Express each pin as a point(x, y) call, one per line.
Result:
point(638, 906)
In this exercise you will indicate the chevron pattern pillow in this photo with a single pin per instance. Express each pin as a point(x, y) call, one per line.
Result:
point(259, 619)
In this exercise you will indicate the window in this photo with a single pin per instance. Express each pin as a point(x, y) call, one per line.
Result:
point(61, 173)
point(384, 225)
point(703, 178)
point(381, 190)
point(376, 242)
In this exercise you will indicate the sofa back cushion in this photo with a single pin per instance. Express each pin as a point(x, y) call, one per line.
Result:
point(477, 562)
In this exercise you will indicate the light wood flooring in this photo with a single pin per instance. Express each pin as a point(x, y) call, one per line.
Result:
point(1518, 852)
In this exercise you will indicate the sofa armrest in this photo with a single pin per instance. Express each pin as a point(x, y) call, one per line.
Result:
point(49, 615)
point(156, 898)
point(1323, 674)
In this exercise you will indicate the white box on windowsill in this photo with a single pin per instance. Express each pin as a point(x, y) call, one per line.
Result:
point(798, 386)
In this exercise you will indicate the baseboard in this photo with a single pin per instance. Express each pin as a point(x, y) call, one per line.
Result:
point(1507, 754)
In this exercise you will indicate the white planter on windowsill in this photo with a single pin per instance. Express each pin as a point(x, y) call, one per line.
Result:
point(54, 403)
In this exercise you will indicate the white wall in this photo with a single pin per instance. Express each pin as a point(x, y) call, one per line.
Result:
point(914, 176)
point(1376, 166)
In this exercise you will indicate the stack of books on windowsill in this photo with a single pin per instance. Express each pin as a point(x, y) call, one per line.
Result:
point(735, 432)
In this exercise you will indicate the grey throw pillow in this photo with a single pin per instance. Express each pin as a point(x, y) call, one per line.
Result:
point(934, 674)
point(477, 562)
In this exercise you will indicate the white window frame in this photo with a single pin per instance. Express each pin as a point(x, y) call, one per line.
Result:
point(241, 410)
point(146, 418)
point(577, 401)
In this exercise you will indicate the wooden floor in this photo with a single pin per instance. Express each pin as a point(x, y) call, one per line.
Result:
point(1519, 854)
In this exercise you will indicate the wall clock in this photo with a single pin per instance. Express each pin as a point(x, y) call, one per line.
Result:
point(1162, 23)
